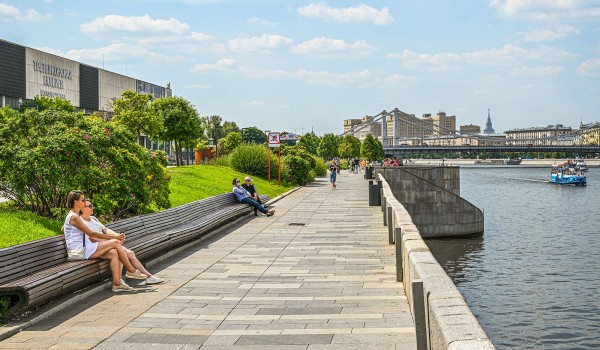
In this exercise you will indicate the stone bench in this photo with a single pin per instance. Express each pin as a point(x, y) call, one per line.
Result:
point(36, 272)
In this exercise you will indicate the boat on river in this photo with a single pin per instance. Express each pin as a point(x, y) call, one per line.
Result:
point(507, 161)
point(567, 174)
point(580, 165)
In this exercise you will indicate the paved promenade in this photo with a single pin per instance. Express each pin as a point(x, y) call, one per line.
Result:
point(317, 275)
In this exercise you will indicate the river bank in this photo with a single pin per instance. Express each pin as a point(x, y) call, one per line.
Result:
point(531, 163)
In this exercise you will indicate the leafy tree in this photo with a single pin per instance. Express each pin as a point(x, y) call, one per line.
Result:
point(213, 127)
point(329, 146)
point(131, 111)
point(229, 127)
point(231, 141)
point(45, 154)
point(57, 103)
point(349, 147)
point(371, 148)
point(254, 135)
point(310, 142)
point(181, 123)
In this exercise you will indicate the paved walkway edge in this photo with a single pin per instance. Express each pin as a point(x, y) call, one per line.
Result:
point(51, 308)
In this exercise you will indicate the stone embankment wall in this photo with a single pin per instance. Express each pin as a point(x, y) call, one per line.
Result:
point(448, 321)
point(431, 195)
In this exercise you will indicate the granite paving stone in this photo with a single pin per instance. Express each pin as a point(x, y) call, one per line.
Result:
point(259, 284)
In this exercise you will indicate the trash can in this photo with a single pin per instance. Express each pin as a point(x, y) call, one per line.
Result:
point(374, 196)
point(369, 172)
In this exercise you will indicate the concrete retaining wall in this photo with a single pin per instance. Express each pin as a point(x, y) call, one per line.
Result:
point(449, 322)
point(431, 194)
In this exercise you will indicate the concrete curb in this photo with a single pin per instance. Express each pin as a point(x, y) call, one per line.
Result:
point(47, 310)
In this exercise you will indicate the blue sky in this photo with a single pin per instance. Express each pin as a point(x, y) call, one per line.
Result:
point(301, 65)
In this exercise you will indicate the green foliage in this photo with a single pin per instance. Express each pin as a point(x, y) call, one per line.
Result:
point(30, 226)
point(45, 102)
point(131, 111)
point(329, 146)
point(229, 127)
point(4, 305)
point(310, 142)
point(253, 135)
point(371, 148)
point(181, 122)
point(46, 154)
point(320, 167)
point(349, 147)
point(253, 160)
point(296, 170)
point(213, 127)
point(220, 161)
point(231, 141)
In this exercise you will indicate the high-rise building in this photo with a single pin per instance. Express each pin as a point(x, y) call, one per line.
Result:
point(489, 130)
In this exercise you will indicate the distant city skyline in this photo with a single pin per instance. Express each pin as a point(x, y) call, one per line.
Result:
point(298, 66)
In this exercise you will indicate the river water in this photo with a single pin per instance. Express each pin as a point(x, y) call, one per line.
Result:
point(533, 279)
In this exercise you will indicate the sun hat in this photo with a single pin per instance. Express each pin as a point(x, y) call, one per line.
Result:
point(247, 178)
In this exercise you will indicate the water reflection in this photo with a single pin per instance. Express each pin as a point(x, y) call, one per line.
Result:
point(456, 255)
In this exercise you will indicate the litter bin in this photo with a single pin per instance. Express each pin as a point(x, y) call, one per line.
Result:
point(374, 195)
point(369, 172)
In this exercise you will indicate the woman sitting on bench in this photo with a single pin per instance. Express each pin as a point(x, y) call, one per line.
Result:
point(110, 249)
point(95, 225)
point(244, 197)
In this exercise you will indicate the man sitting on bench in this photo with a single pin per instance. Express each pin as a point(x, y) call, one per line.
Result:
point(244, 197)
point(249, 186)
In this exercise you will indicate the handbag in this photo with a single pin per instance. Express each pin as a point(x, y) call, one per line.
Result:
point(76, 254)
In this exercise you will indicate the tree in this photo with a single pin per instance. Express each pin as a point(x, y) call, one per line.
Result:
point(213, 127)
point(181, 123)
point(329, 146)
point(371, 148)
point(229, 127)
point(57, 103)
point(310, 142)
point(349, 147)
point(131, 111)
point(253, 135)
point(231, 141)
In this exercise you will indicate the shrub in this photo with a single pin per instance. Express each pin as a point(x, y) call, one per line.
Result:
point(253, 159)
point(219, 161)
point(296, 170)
point(320, 168)
point(46, 154)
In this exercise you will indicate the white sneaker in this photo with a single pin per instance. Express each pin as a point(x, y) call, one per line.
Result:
point(154, 280)
point(123, 287)
point(137, 275)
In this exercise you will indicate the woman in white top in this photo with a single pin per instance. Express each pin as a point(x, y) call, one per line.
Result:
point(95, 225)
point(109, 249)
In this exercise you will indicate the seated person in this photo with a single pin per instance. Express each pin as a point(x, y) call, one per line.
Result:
point(244, 197)
point(95, 225)
point(249, 186)
point(110, 246)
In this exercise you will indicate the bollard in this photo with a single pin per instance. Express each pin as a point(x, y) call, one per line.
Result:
point(390, 222)
point(383, 209)
point(419, 313)
point(374, 198)
point(398, 240)
point(382, 199)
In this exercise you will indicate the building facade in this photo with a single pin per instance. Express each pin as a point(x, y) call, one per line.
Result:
point(590, 134)
point(551, 135)
point(470, 129)
point(26, 73)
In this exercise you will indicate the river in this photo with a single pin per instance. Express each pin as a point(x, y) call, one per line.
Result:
point(533, 279)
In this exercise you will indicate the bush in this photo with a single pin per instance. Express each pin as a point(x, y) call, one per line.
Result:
point(253, 159)
point(46, 154)
point(296, 170)
point(219, 161)
point(320, 168)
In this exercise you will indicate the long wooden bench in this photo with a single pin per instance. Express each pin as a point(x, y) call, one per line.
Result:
point(34, 273)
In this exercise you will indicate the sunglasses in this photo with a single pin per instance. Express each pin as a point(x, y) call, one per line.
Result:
point(90, 206)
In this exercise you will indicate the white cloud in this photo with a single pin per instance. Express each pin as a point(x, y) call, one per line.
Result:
point(116, 52)
point(259, 43)
point(256, 20)
point(222, 65)
point(548, 34)
point(324, 45)
point(536, 71)
point(430, 63)
point(312, 77)
point(548, 9)
point(395, 79)
point(590, 68)
point(133, 24)
point(361, 13)
point(10, 13)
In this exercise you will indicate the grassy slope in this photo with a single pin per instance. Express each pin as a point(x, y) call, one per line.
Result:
point(188, 184)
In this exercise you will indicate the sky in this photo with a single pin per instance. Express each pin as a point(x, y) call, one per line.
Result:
point(297, 66)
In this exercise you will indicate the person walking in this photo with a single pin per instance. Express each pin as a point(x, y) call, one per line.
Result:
point(333, 169)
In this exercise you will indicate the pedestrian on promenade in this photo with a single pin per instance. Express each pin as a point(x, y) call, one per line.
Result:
point(249, 186)
point(77, 236)
point(244, 197)
point(333, 170)
point(95, 225)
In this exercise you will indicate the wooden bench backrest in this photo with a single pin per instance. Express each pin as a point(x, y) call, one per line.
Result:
point(31, 257)
point(133, 227)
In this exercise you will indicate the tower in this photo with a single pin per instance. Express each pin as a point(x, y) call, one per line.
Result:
point(489, 130)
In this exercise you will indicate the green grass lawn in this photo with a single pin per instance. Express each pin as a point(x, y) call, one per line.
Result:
point(188, 183)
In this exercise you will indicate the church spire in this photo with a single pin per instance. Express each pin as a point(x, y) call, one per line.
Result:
point(489, 130)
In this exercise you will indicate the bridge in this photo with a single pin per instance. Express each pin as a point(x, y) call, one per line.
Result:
point(404, 150)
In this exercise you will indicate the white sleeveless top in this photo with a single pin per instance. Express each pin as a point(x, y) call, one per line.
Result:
point(74, 238)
